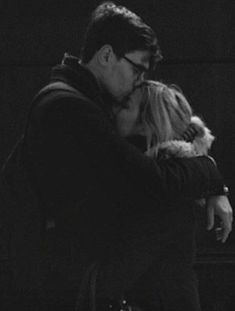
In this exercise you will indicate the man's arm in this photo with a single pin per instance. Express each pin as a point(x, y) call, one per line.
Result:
point(71, 126)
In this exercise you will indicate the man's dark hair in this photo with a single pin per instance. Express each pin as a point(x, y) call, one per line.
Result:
point(122, 29)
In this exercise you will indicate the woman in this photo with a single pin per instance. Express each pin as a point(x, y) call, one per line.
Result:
point(163, 117)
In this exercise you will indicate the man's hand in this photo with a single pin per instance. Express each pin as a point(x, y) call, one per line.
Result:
point(220, 206)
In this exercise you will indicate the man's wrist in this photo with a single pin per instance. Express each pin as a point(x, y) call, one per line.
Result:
point(226, 190)
point(223, 190)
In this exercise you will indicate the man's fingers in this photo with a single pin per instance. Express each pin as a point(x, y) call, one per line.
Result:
point(225, 236)
point(220, 206)
point(219, 233)
point(226, 223)
point(223, 232)
point(227, 228)
point(231, 217)
point(210, 218)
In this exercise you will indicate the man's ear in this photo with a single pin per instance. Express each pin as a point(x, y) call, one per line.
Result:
point(105, 55)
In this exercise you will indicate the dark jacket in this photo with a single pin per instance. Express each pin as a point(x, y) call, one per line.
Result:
point(82, 169)
point(71, 148)
point(86, 177)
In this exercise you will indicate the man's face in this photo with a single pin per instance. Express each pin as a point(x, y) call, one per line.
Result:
point(128, 119)
point(126, 73)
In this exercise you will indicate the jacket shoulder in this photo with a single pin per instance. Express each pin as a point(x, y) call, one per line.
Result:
point(59, 94)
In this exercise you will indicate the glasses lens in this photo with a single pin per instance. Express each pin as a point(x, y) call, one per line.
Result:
point(139, 69)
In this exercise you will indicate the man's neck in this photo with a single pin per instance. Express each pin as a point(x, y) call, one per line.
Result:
point(96, 73)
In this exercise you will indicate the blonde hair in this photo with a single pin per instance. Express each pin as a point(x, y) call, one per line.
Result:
point(166, 114)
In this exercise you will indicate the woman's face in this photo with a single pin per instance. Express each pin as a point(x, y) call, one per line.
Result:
point(128, 118)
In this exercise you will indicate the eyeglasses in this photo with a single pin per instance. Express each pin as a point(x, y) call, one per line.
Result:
point(139, 69)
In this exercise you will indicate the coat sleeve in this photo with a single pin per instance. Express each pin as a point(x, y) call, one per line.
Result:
point(70, 128)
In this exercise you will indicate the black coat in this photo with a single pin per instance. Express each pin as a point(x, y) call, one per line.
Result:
point(90, 183)
point(73, 153)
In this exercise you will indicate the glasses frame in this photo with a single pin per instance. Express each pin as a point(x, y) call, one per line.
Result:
point(139, 68)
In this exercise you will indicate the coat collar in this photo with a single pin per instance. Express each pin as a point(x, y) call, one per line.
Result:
point(78, 76)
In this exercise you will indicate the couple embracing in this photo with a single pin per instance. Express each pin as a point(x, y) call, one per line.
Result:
point(119, 164)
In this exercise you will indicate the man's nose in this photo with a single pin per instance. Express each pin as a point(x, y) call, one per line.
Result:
point(139, 79)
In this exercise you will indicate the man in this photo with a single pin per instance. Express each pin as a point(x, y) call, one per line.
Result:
point(86, 176)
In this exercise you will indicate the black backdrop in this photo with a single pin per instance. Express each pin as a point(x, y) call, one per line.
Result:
point(198, 43)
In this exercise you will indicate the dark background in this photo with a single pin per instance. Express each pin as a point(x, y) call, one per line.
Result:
point(198, 42)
